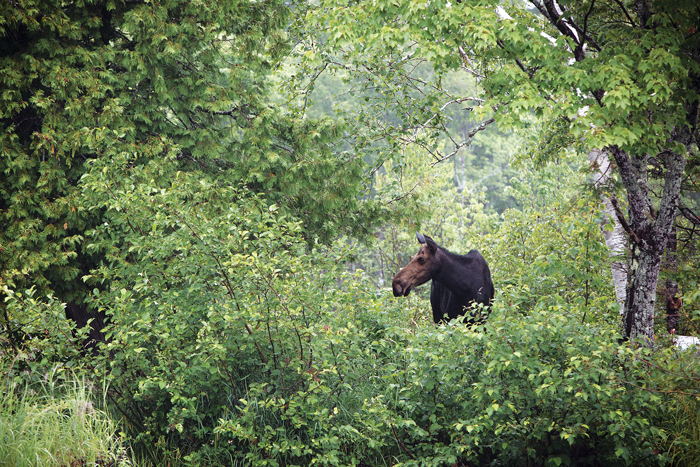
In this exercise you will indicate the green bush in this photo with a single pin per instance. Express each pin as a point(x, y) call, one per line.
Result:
point(36, 337)
point(211, 293)
point(232, 342)
point(536, 391)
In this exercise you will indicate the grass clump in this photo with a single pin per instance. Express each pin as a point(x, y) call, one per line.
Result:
point(683, 423)
point(56, 424)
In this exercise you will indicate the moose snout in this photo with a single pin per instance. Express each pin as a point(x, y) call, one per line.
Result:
point(400, 290)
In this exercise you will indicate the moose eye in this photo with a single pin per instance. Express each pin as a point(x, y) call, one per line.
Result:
point(421, 260)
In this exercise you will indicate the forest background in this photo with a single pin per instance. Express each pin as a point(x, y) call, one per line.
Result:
point(203, 204)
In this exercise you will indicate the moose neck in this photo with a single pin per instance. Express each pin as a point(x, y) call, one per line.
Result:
point(449, 273)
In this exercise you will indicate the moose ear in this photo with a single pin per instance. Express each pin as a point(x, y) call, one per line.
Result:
point(420, 238)
point(431, 244)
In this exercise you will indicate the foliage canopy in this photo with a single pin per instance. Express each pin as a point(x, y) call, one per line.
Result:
point(91, 80)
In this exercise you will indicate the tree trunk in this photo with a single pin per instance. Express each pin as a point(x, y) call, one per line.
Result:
point(673, 303)
point(638, 315)
point(616, 240)
point(648, 231)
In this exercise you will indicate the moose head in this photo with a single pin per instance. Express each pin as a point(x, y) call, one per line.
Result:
point(422, 267)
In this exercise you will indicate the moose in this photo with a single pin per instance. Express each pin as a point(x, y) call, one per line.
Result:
point(459, 281)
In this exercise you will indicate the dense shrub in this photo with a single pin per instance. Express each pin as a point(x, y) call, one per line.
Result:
point(230, 341)
point(211, 294)
point(539, 390)
point(36, 338)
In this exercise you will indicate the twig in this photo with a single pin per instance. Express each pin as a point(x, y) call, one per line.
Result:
point(660, 391)
point(482, 126)
point(262, 355)
point(400, 443)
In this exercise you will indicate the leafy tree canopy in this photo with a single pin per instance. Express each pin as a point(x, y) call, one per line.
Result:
point(85, 81)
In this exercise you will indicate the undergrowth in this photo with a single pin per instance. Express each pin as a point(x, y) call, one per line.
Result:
point(56, 423)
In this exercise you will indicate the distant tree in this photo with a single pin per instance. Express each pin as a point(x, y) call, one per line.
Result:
point(481, 166)
point(624, 77)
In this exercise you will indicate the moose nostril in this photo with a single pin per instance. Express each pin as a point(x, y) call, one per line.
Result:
point(397, 290)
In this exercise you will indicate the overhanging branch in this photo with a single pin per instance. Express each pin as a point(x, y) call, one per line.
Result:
point(623, 221)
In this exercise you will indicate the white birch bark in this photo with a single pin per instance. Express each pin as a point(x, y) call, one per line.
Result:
point(616, 240)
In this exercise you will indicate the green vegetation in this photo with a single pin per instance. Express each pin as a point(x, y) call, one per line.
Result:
point(619, 79)
point(203, 205)
point(232, 343)
point(55, 426)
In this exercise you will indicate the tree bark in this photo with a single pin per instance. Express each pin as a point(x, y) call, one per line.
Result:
point(673, 305)
point(638, 315)
point(616, 240)
point(673, 302)
point(648, 232)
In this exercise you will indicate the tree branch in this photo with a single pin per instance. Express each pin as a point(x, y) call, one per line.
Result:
point(482, 126)
point(690, 215)
point(227, 112)
point(555, 14)
point(542, 10)
point(579, 52)
point(465, 58)
point(530, 73)
point(624, 10)
point(623, 221)
point(400, 443)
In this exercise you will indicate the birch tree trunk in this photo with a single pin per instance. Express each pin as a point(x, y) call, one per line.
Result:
point(673, 303)
point(616, 240)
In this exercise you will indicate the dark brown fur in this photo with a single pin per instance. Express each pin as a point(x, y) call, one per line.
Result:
point(459, 281)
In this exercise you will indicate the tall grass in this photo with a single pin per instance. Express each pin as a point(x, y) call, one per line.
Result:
point(56, 424)
point(683, 426)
